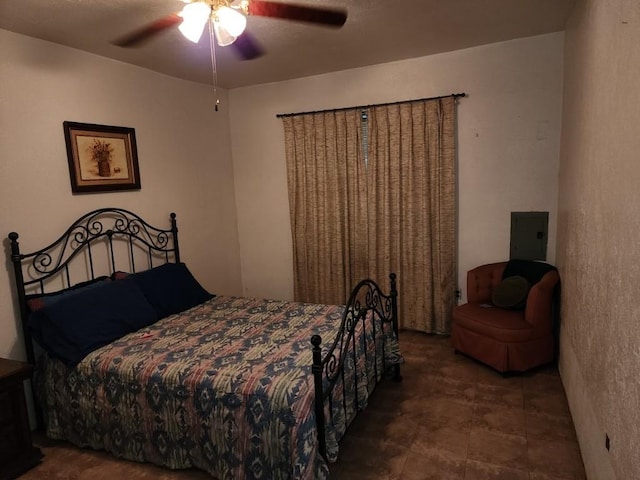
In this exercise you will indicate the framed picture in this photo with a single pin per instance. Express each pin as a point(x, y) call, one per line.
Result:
point(102, 158)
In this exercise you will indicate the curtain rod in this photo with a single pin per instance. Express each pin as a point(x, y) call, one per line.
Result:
point(455, 95)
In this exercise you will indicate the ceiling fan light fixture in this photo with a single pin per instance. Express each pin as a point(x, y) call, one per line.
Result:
point(231, 20)
point(223, 37)
point(195, 16)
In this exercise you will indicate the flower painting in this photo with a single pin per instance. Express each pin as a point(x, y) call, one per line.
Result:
point(104, 158)
point(101, 157)
point(101, 154)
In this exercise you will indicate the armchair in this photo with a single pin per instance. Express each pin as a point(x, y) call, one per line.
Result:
point(506, 339)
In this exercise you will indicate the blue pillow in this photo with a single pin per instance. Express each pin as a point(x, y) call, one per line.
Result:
point(76, 325)
point(41, 300)
point(171, 288)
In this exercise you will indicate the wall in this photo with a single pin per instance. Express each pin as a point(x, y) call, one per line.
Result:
point(598, 231)
point(509, 140)
point(183, 150)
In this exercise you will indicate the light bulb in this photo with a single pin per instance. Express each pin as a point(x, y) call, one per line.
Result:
point(231, 20)
point(195, 16)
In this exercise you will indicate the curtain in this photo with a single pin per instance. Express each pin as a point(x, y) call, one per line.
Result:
point(411, 187)
point(362, 209)
point(326, 201)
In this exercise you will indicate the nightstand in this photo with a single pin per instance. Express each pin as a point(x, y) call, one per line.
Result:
point(17, 453)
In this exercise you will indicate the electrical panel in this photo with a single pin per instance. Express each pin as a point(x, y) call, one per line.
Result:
point(529, 235)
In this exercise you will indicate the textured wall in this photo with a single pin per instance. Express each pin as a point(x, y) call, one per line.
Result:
point(598, 247)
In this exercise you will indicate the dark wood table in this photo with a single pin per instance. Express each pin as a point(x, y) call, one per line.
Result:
point(17, 453)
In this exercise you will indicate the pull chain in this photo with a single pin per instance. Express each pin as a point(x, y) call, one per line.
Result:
point(214, 69)
point(364, 125)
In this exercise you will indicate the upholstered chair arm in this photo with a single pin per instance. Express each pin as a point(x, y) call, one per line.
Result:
point(482, 280)
point(539, 311)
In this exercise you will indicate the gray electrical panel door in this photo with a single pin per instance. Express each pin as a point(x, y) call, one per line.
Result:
point(529, 235)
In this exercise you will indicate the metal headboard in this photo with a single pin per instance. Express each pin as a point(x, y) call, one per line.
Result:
point(96, 233)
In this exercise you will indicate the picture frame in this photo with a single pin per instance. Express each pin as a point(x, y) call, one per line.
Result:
point(102, 158)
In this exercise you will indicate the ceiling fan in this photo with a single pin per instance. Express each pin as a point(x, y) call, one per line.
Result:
point(229, 19)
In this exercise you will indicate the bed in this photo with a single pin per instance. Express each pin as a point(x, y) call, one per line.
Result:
point(134, 357)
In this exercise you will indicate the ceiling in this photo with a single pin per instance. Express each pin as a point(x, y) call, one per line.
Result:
point(376, 31)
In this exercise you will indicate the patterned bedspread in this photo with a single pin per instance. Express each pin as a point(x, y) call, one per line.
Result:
point(225, 387)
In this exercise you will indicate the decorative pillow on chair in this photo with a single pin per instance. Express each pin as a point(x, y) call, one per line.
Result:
point(511, 293)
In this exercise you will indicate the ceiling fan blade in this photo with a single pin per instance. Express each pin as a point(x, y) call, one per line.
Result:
point(247, 47)
point(323, 16)
point(138, 37)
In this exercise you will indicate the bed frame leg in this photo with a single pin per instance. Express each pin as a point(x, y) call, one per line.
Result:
point(397, 377)
point(394, 314)
point(316, 369)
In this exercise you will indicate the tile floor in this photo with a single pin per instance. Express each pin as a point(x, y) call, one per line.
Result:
point(453, 418)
